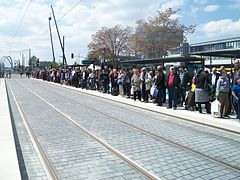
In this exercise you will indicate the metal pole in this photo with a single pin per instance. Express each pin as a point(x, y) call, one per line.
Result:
point(63, 51)
point(210, 63)
point(50, 30)
point(64, 57)
point(29, 54)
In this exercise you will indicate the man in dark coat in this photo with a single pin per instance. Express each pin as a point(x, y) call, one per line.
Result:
point(104, 78)
point(160, 85)
point(212, 79)
point(237, 68)
point(184, 81)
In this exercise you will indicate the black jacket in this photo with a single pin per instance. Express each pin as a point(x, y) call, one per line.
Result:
point(186, 80)
point(160, 81)
point(210, 79)
point(201, 81)
point(176, 80)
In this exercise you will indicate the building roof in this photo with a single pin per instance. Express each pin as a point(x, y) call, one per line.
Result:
point(216, 41)
point(230, 53)
point(161, 60)
point(219, 48)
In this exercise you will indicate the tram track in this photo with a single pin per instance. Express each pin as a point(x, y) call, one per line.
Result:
point(156, 136)
point(152, 117)
point(48, 166)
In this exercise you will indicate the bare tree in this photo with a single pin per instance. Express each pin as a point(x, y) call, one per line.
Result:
point(158, 34)
point(110, 43)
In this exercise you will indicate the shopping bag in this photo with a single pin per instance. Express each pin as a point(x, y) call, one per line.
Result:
point(154, 91)
point(215, 108)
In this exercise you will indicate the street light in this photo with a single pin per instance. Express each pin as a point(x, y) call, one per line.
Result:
point(50, 30)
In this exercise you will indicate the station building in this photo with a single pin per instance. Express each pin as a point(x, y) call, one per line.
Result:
point(217, 53)
point(205, 54)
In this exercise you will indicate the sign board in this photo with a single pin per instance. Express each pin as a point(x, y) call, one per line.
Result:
point(87, 62)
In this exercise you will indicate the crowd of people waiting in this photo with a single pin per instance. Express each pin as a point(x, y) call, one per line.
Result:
point(181, 88)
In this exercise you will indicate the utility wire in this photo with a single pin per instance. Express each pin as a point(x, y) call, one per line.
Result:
point(20, 24)
point(69, 10)
point(62, 16)
point(58, 20)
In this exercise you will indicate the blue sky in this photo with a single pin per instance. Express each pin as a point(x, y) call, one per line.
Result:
point(215, 19)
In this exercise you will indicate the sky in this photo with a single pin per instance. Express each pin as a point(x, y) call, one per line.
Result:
point(24, 23)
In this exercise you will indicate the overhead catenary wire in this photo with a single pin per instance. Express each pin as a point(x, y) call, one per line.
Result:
point(21, 21)
point(58, 20)
point(65, 14)
point(69, 10)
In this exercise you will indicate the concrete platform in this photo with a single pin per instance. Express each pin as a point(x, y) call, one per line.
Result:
point(193, 116)
point(9, 167)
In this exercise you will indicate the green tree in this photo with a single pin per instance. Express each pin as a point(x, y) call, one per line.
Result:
point(157, 35)
point(33, 62)
point(110, 43)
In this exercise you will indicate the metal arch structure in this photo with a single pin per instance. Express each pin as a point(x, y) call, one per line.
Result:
point(9, 59)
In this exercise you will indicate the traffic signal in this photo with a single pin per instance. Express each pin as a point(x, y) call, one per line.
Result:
point(37, 62)
point(72, 55)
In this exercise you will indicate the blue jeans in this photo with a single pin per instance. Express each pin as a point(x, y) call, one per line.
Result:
point(172, 97)
point(144, 93)
point(237, 109)
point(160, 97)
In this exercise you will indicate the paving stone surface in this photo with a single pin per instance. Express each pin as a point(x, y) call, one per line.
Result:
point(163, 159)
point(73, 154)
point(29, 163)
point(209, 141)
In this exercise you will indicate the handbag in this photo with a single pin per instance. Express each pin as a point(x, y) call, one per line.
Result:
point(120, 81)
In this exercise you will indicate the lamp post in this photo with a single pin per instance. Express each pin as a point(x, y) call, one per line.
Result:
point(61, 43)
point(50, 31)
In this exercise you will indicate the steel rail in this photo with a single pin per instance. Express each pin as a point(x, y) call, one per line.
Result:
point(47, 165)
point(158, 137)
point(119, 154)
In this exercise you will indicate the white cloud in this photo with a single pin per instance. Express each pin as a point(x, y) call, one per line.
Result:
point(87, 18)
point(222, 27)
point(172, 4)
point(77, 26)
point(194, 10)
point(211, 8)
point(216, 30)
point(201, 1)
point(234, 4)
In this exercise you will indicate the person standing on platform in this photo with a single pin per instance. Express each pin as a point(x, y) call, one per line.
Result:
point(213, 78)
point(136, 83)
point(184, 81)
point(127, 83)
point(113, 79)
point(105, 79)
point(236, 96)
point(160, 83)
point(201, 93)
point(21, 73)
point(120, 81)
point(237, 68)
point(222, 91)
point(143, 78)
point(173, 85)
point(149, 83)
